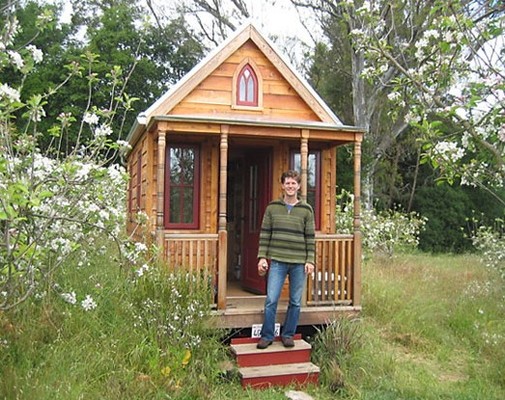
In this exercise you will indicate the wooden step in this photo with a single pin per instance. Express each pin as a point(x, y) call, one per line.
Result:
point(247, 355)
point(300, 374)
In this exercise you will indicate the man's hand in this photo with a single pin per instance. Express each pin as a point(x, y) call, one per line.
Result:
point(262, 266)
point(309, 268)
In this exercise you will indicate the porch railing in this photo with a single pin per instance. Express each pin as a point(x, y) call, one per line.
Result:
point(332, 281)
point(330, 284)
point(195, 253)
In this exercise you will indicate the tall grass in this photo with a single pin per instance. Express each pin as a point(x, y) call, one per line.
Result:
point(432, 327)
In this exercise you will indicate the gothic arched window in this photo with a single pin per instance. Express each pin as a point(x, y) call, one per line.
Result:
point(247, 87)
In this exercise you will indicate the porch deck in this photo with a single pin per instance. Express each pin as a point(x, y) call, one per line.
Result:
point(243, 309)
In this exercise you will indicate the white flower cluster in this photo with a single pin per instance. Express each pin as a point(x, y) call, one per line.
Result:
point(88, 303)
point(448, 150)
point(490, 241)
point(10, 94)
point(382, 232)
point(176, 322)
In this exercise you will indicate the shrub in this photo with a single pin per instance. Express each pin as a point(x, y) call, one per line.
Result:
point(383, 232)
point(490, 242)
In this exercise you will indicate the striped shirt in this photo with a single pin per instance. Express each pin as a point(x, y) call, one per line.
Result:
point(288, 235)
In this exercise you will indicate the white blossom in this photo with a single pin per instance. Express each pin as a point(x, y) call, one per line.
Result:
point(91, 119)
point(69, 297)
point(103, 131)
point(88, 303)
point(36, 53)
point(11, 94)
point(16, 59)
point(123, 144)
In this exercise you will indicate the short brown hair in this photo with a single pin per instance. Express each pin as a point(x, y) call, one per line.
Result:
point(291, 174)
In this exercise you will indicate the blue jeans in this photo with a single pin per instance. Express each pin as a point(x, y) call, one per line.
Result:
point(276, 277)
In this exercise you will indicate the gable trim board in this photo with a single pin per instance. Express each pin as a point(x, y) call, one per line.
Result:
point(214, 59)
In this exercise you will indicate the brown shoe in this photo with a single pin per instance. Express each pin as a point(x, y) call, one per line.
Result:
point(263, 344)
point(288, 342)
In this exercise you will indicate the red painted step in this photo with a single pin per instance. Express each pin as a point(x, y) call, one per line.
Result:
point(247, 355)
point(276, 365)
point(300, 374)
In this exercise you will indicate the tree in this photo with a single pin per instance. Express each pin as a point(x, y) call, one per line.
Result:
point(52, 204)
point(426, 63)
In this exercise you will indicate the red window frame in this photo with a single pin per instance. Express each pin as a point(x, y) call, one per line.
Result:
point(316, 191)
point(195, 187)
point(251, 79)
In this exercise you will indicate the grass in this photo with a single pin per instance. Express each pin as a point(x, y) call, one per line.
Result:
point(432, 327)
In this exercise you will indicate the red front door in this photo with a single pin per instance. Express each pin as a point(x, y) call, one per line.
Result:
point(257, 194)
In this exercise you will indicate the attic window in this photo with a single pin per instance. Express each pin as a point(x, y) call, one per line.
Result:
point(247, 87)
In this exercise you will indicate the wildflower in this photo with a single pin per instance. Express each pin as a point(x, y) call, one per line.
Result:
point(69, 297)
point(142, 269)
point(140, 247)
point(88, 303)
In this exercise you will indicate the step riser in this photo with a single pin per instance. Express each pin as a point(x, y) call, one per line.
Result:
point(283, 380)
point(258, 359)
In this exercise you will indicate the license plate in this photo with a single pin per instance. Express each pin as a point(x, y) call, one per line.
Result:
point(256, 330)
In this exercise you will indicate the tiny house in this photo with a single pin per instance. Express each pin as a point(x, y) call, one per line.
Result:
point(206, 159)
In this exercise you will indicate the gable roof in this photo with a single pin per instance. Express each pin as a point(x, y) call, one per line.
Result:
point(215, 58)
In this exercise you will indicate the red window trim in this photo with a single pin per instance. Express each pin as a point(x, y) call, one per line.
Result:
point(196, 189)
point(254, 102)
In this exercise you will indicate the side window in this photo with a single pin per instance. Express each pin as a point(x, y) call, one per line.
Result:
point(181, 186)
point(247, 87)
point(313, 180)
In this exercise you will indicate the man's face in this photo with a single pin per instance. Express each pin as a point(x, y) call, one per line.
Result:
point(290, 186)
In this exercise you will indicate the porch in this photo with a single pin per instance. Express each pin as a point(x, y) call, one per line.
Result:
point(333, 289)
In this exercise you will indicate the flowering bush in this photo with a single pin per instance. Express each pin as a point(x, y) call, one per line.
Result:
point(382, 232)
point(490, 241)
point(171, 305)
point(52, 202)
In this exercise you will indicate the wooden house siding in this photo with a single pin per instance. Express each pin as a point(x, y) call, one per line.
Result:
point(213, 96)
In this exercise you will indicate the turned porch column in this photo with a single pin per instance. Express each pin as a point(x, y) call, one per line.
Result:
point(357, 224)
point(160, 190)
point(304, 157)
point(222, 232)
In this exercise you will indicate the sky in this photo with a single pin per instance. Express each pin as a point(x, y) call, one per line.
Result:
point(273, 17)
point(277, 18)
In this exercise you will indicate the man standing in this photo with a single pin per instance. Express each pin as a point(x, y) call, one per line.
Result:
point(287, 240)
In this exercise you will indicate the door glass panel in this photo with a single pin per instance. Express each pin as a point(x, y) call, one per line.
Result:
point(253, 198)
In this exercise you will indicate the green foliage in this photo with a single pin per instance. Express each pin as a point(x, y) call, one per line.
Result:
point(448, 209)
point(150, 59)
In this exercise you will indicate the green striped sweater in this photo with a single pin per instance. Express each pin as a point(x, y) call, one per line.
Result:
point(288, 236)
